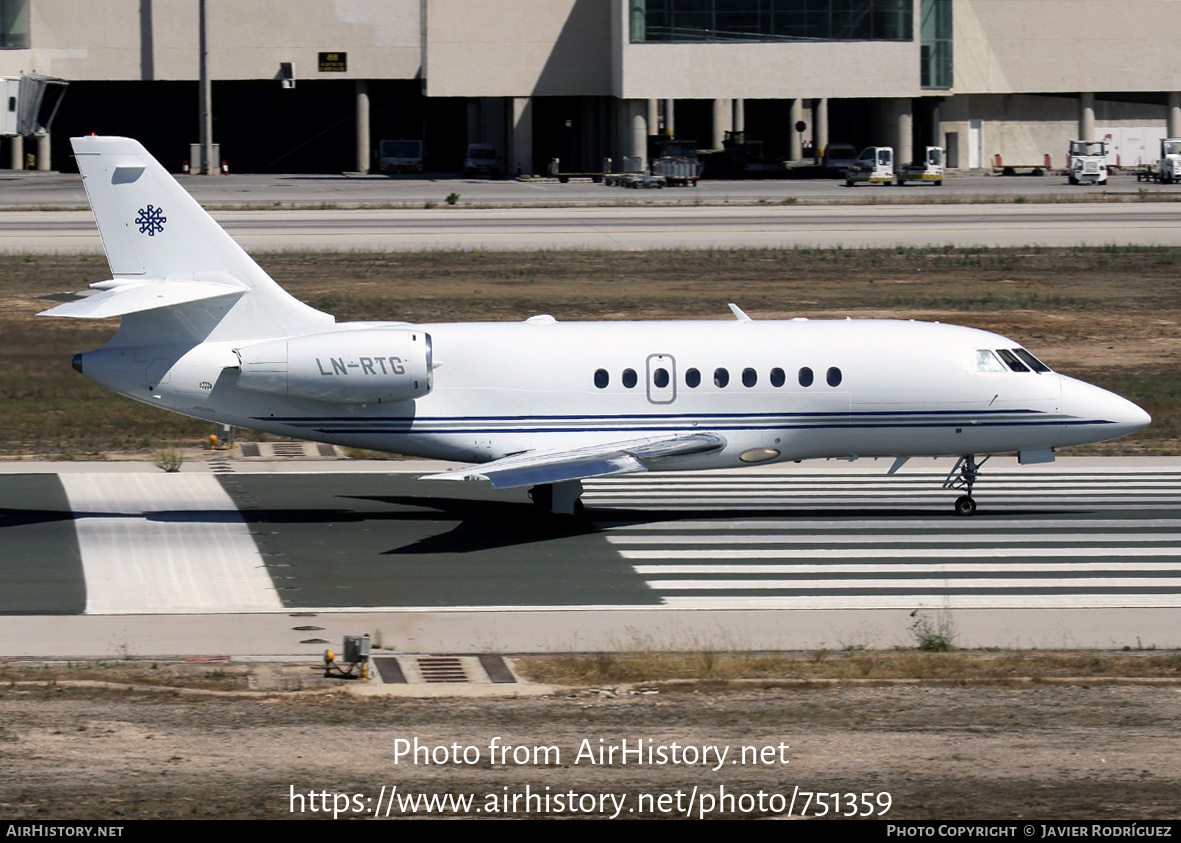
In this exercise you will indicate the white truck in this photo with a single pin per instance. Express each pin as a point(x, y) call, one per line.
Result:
point(1169, 167)
point(401, 156)
point(875, 165)
point(929, 170)
point(481, 160)
point(1088, 162)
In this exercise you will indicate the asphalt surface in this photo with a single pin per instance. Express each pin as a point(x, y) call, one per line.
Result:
point(849, 551)
point(374, 213)
point(633, 228)
point(29, 189)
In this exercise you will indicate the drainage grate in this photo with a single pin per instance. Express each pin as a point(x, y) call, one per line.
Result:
point(288, 449)
point(497, 670)
point(442, 669)
point(389, 670)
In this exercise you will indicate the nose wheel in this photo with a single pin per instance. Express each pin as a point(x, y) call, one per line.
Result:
point(963, 476)
point(965, 505)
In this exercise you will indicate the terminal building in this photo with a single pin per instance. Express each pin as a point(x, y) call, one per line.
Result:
point(314, 86)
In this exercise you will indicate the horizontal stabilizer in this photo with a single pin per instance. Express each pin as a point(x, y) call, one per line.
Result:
point(625, 457)
point(134, 296)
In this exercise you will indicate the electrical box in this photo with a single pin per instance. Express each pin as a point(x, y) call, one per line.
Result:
point(197, 165)
point(356, 648)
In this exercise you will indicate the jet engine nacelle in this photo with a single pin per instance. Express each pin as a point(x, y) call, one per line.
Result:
point(363, 366)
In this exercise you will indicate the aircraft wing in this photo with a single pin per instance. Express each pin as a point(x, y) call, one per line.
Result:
point(553, 466)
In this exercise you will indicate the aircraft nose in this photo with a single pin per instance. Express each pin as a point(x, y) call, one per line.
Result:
point(1112, 415)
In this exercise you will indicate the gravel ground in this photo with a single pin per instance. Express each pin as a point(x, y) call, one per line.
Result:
point(1080, 750)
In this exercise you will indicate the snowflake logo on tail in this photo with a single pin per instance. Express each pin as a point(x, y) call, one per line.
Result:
point(150, 220)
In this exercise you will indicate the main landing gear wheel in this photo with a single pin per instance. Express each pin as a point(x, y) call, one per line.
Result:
point(964, 505)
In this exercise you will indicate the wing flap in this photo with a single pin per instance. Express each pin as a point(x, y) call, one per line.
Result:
point(555, 466)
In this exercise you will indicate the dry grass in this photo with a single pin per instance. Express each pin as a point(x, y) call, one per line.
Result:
point(823, 665)
point(103, 676)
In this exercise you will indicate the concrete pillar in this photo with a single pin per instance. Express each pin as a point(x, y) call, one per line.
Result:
point(819, 127)
point(719, 124)
point(738, 114)
point(603, 122)
point(654, 116)
point(205, 98)
point(474, 119)
point(904, 131)
point(637, 126)
point(1086, 116)
point(18, 152)
point(936, 138)
point(795, 147)
point(1174, 121)
point(43, 151)
point(670, 123)
point(363, 156)
point(520, 157)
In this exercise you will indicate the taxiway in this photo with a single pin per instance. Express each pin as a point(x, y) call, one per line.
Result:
point(241, 557)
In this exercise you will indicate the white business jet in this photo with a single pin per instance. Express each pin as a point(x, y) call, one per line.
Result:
point(541, 403)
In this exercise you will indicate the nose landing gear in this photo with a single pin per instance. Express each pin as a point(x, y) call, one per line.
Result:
point(963, 476)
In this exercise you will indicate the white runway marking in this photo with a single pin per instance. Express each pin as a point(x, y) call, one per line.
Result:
point(188, 551)
point(1042, 559)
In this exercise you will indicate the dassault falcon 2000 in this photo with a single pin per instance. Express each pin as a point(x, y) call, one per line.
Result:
point(541, 403)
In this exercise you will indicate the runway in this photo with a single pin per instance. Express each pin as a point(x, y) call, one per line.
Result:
point(649, 227)
point(783, 557)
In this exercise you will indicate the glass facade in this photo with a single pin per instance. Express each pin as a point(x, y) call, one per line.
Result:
point(772, 20)
point(935, 29)
point(14, 24)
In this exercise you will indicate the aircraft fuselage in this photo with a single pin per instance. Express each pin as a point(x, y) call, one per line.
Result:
point(774, 391)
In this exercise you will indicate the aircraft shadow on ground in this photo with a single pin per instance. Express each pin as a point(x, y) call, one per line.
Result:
point(506, 523)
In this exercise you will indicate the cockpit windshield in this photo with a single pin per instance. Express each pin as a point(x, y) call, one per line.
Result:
point(986, 361)
point(1031, 361)
point(1015, 359)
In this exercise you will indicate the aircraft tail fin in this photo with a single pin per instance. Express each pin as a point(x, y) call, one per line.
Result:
point(154, 232)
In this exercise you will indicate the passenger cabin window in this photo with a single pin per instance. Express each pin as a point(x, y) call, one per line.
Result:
point(660, 378)
point(692, 378)
point(629, 378)
point(721, 377)
point(602, 378)
point(749, 377)
point(834, 376)
point(806, 376)
point(778, 378)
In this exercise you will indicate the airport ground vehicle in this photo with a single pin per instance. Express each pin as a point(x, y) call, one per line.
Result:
point(837, 158)
point(401, 156)
point(1087, 163)
point(929, 170)
point(875, 165)
point(1169, 166)
point(481, 160)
